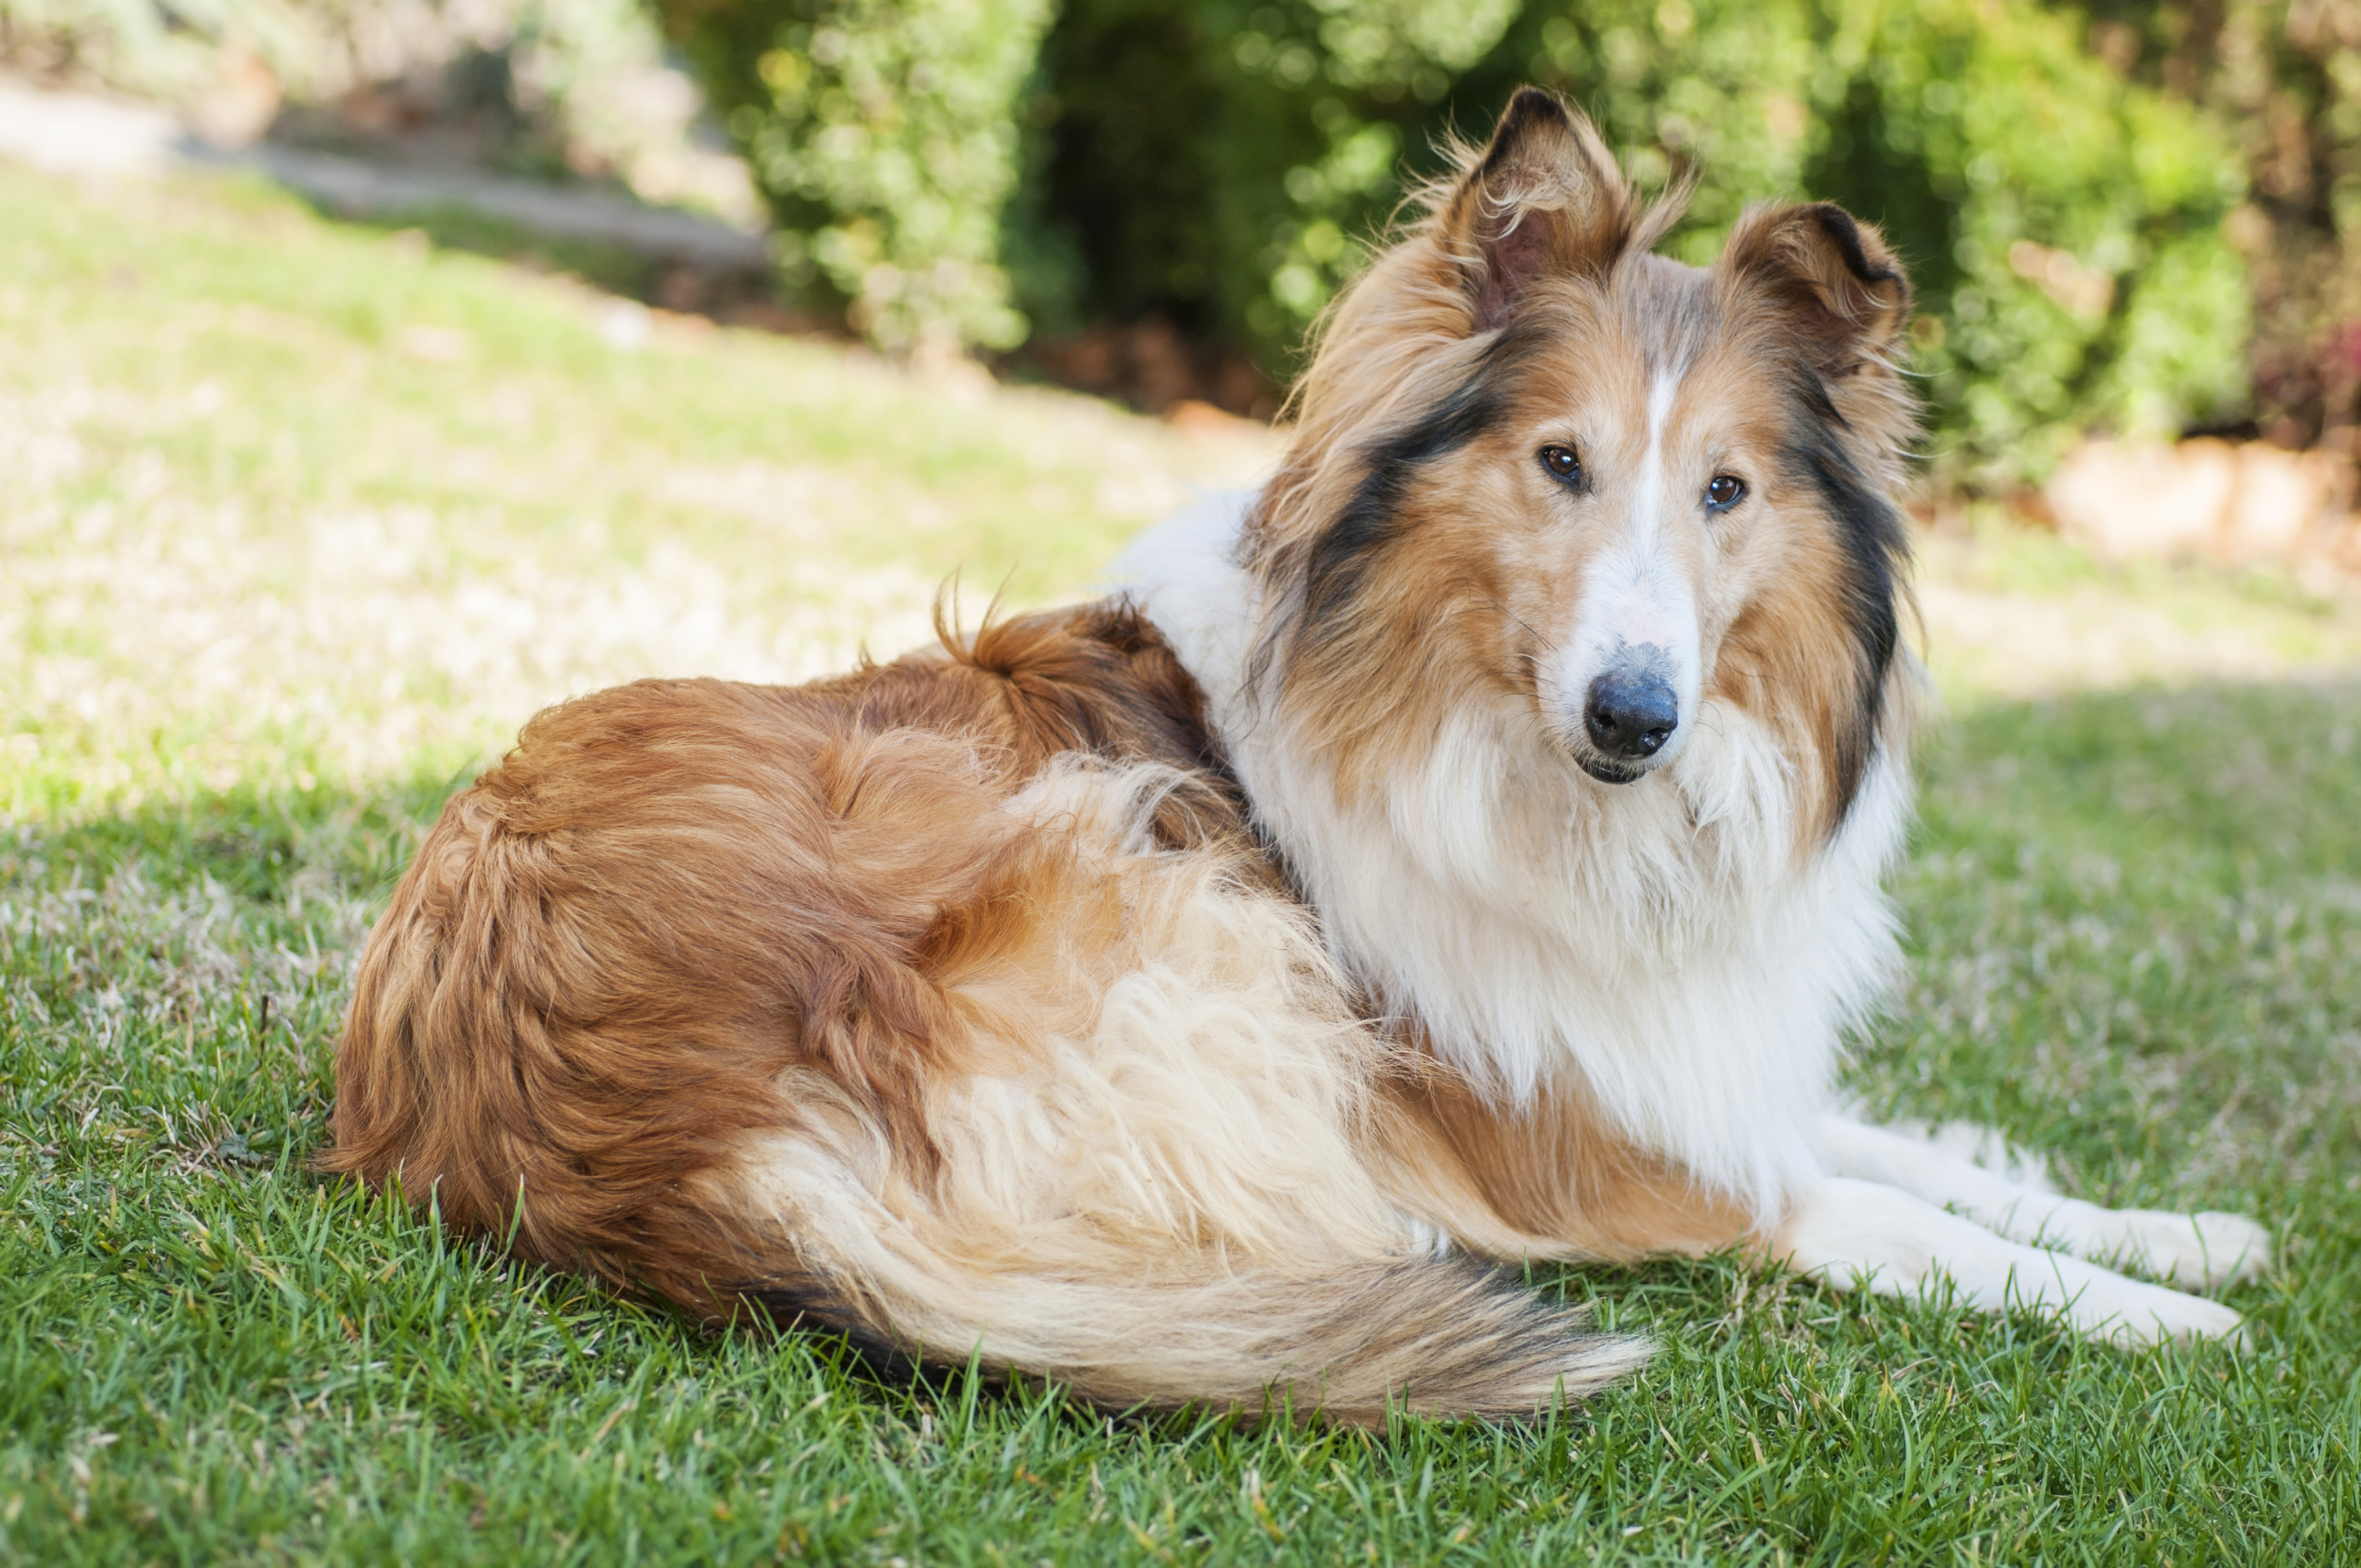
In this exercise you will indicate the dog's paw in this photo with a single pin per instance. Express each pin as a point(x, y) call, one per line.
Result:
point(1860, 1235)
point(2126, 1312)
point(2196, 1252)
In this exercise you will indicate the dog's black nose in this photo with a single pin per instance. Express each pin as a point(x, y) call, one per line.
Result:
point(1631, 714)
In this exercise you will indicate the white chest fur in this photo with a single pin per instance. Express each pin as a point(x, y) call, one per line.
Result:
point(1660, 943)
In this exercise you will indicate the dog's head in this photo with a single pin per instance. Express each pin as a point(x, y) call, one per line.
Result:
point(1539, 466)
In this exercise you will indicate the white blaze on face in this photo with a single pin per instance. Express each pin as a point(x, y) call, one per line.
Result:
point(1638, 605)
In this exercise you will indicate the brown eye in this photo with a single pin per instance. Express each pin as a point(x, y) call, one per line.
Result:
point(1562, 464)
point(1725, 492)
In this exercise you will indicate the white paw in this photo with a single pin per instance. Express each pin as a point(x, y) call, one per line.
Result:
point(1862, 1234)
point(2126, 1312)
point(2196, 1252)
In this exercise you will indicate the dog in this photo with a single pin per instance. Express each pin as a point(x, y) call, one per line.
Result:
point(1466, 851)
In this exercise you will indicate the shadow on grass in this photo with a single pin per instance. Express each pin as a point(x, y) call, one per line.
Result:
point(253, 842)
point(2149, 808)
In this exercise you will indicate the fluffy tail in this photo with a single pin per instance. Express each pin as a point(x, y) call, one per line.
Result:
point(1436, 1336)
point(1333, 1326)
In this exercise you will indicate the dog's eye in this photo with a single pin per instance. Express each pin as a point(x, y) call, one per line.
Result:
point(1562, 464)
point(1725, 491)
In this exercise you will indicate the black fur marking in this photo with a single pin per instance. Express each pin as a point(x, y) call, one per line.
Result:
point(1531, 107)
point(1340, 558)
point(1869, 527)
point(1845, 235)
point(1807, 388)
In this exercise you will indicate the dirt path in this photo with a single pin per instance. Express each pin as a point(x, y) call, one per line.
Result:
point(82, 134)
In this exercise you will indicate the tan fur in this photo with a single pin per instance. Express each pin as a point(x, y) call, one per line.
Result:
point(1553, 1180)
point(956, 1004)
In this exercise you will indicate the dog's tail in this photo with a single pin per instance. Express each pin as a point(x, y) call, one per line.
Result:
point(1438, 1335)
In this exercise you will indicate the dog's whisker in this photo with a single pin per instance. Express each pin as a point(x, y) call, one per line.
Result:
point(1521, 620)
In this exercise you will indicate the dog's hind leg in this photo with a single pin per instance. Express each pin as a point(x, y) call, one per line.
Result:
point(1864, 1235)
point(2193, 1251)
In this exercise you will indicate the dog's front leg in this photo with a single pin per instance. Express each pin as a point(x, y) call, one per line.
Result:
point(1866, 1234)
point(2194, 1251)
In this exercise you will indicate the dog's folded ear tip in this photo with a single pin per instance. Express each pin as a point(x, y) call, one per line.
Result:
point(1540, 127)
point(1531, 106)
point(1843, 283)
point(1544, 195)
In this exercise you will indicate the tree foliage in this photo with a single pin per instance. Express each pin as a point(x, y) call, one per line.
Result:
point(883, 133)
point(2283, 79)
point(1221, 163)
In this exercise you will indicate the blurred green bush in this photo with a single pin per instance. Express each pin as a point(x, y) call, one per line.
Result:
point(2283, 78)
point(2136, 216)
point(948, 164)
point(885, 133)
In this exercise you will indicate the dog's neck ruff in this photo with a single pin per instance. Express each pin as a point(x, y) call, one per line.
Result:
point(1660, 946)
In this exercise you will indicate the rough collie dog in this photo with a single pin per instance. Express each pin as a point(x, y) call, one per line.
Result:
point(1466, 852)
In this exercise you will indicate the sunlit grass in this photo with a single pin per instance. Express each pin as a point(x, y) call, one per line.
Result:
point(252, 633)
point(288, 501)
point(2015, 611)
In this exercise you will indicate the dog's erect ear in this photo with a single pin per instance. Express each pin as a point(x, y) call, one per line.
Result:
point(1835, 280)
point(1544, 198)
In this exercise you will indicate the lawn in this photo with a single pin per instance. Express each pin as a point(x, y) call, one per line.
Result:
point(298, 520)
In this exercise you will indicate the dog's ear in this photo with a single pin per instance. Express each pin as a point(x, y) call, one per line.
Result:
point(1544, 197)
point(1834, 280)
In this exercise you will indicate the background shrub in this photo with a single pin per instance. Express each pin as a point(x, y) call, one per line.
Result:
point(884, 134)
point(2283, 79)
point(1220, 163)
point(2123, 214)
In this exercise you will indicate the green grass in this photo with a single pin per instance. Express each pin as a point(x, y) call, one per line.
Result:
point(367, 504)
point(2136, 918)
